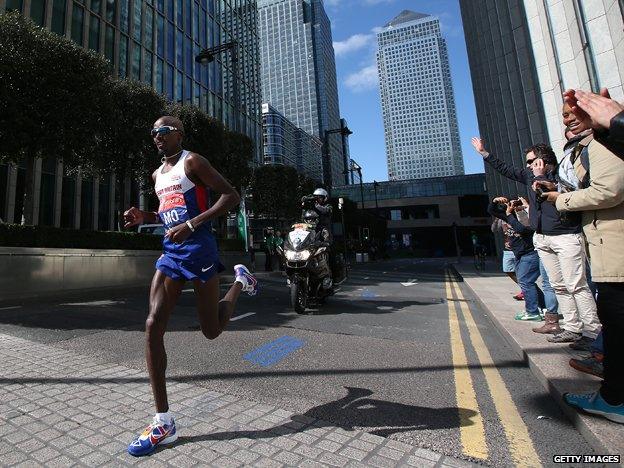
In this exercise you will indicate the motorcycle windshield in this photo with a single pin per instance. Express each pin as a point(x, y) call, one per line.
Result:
point(298, 239)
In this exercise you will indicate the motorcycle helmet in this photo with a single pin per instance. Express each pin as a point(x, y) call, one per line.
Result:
point(321, 195)
point(311, 217)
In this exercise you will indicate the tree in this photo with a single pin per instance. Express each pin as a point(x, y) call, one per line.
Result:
point(237, 159)
point(275, 192)
point(51, 97)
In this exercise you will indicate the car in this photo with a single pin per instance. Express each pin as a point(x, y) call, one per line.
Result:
point(155, 229)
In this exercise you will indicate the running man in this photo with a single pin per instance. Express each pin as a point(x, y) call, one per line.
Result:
point(182, 184)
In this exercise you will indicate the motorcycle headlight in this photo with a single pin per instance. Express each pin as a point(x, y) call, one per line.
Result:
point(301, 256)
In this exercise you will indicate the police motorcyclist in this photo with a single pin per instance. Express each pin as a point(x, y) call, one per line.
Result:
point(318, 202)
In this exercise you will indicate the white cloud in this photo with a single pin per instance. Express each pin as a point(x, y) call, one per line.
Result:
point(363, 80)
point(377, 2)
point(353, 43)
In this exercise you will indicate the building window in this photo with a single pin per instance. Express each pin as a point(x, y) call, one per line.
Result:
point(68, 199)
point(14, 5)
point(136, 61)
point(104, 204)
point(123, 56)
point(46, 195)
point(37, 11)
point(4, 184)
point(111, 11)
point(58, 17)
point(94, 34)
point(77, 24)
point(86, 204)
point(109, 44)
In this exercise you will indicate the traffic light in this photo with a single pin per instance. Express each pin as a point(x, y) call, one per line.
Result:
point(365, 233)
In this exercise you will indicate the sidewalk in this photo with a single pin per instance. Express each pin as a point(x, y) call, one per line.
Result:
point(547, 361)
point(59, 408)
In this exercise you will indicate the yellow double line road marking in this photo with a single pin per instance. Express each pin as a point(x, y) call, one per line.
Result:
point(471, 428)
point(520, 444)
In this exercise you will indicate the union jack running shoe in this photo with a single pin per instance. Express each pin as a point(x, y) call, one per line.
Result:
point(155, 434)
point(249, 281)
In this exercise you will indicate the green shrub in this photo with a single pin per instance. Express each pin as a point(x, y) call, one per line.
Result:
point(16, 235)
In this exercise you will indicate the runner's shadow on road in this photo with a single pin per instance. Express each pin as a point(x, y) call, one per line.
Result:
point(355, 410)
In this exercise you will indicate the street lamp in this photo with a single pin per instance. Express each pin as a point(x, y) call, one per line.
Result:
point(375, 185)
point(208, 55)
point(343, 131)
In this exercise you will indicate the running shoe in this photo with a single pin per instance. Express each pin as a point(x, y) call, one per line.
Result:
point(155, 434)
point(244, 277)
point(523, 316)
point(595, 404)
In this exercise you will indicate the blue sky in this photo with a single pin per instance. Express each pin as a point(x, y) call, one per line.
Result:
point(353, 29)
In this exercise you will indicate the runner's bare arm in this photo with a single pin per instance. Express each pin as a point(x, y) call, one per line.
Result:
point(201, 172)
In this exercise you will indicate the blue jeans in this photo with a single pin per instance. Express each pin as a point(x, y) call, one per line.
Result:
point(598, 345)
point(550, 299)
point(527, 272)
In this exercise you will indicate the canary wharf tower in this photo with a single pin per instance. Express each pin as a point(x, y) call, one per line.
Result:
point(420, 121)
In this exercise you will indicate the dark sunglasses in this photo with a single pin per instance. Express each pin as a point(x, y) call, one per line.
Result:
point(531, 161)
point(164, 130)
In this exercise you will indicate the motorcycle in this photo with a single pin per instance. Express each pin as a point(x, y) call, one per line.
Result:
point(309, 274)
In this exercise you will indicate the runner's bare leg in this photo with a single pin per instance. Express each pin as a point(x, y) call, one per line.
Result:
point(214, 314)
point(164, 294)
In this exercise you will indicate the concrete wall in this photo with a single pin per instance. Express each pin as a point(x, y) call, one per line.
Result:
point(37, 272)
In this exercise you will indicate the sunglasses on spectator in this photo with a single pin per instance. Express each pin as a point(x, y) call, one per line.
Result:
point(164, 130)
point(531, 161)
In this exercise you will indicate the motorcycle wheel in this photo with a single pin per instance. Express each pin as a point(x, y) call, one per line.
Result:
point(298, 297)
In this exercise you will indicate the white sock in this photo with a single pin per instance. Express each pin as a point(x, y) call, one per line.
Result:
point(242, 280)
point(164, 418)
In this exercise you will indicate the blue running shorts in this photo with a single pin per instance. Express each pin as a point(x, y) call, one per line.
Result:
point(196, 269)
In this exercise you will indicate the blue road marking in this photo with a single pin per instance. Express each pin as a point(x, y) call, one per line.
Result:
point(273, 352)
point(368, 294)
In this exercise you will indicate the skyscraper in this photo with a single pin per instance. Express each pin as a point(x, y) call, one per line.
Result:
point(420, 122)
point(523, 55)
point(298, 70)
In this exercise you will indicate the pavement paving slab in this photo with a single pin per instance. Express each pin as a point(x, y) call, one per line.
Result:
point(548, 361)
point(60, 408)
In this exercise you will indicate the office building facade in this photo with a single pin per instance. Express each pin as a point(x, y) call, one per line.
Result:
point(523, 54)
point(284, 143)
point(155, 42)
point(431, 217)
point(298, 71)
point(420, 120)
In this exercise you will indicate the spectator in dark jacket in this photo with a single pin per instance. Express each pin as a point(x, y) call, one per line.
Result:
point(559, 243)
point(527, 261)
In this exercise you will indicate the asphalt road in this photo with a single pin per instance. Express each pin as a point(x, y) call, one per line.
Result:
point(402, 351)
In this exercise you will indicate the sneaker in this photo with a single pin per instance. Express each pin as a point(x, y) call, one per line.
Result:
point(595, 404)
point(565, 336)
point(584, 344)
point(590, 365)
point(519, 296)
point(528, 317)
point(155, 434)
point(244, 277)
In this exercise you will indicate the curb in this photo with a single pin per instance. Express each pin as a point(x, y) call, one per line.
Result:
point(585, 424)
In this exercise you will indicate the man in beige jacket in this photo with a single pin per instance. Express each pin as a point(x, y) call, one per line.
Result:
point(602, 204)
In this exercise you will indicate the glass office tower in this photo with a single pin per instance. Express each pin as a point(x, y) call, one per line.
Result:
point(299, 70)
point(420, 121)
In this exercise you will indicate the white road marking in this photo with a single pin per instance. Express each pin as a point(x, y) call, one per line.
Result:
point(238, 317)
point(92, 303)
point(12, 307)
point(188, 290)
point(411, 282)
